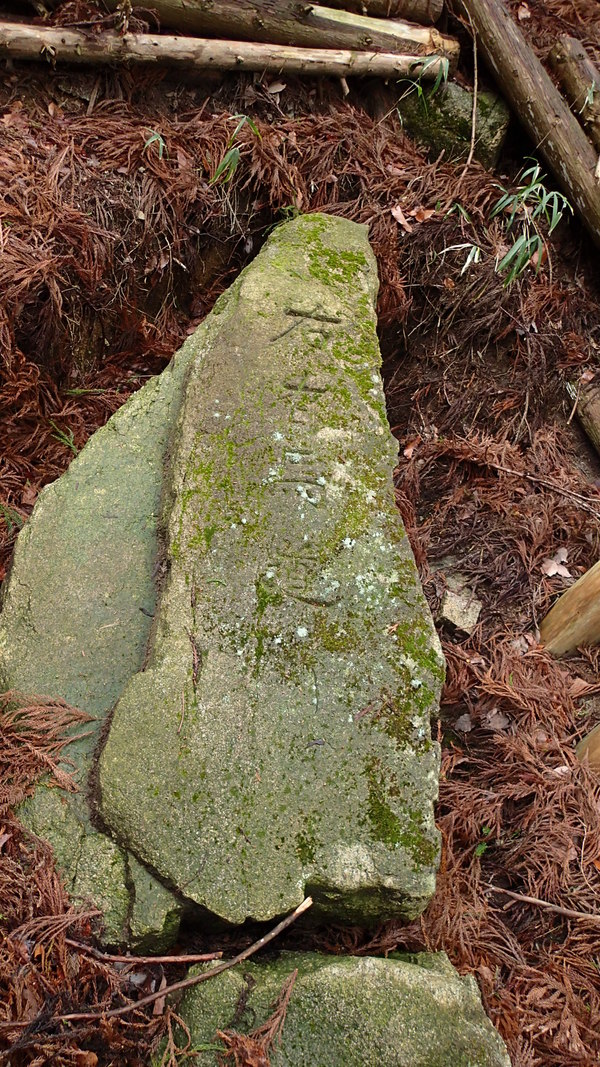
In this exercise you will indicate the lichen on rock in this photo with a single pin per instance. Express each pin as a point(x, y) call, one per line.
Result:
point(352, 1012)
point(76, 614)
point(277, 740)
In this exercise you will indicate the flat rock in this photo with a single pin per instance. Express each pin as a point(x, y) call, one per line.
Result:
point(277, 740)
point(353, 1012)
point(76, 614)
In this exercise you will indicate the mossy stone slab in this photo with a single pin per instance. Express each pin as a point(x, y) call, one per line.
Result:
point(443, 120)
point(76, 613)
point(352, 1012)
point(278, 741)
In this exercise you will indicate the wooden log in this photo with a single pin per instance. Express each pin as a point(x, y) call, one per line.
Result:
point(195, 54)
point(580, 82)
point(575, 618)
point(426, 12)
point(589, 748)
point(537, 103)
point(299, 23)
point(587, 408)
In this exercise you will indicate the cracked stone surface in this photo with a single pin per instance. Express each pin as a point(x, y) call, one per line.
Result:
point(277, 740)
point(76, 613)
point(351, 1012)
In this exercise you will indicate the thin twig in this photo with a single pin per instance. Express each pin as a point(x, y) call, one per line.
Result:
point(568, 912)
point(107, 958)
point(186, 983)
point(581, 500)
point(474, 111)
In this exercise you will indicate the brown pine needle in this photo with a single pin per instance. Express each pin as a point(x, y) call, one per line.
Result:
point(186, 983)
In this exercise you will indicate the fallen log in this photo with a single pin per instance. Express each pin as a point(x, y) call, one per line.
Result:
point(575, 618)
point(580, 82)
point(589, 748)
point(537, 103)
point(425, 12)
point(195, 54)
point(587, 408)
point(301, 24)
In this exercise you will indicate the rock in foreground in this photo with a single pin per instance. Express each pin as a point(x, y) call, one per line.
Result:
point(353, 1012)
point(277, 740)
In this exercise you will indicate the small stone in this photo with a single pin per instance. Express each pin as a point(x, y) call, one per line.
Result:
point(460, 608)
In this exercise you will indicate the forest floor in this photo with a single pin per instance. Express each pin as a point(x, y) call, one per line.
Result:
point(115, 241)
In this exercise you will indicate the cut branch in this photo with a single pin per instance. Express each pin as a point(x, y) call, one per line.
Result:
point(588, 749)
point(195, 54)
point(426, 12)
point(580, 81)
point(300, 24)
point(587, 406)
point(539, 106)
point(569, 913)
point(575, 618)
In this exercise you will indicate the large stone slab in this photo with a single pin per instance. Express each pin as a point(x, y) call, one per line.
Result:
point(353, 1012)
point(277, 741)
point(75, 619)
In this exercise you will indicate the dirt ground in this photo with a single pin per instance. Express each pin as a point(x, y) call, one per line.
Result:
point(115, 240)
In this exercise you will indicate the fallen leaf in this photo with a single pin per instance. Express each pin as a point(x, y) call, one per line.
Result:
point(421, 214)
point(523, 12)
point(577, 687)
point(400, 217)
point(276, 87)
point(550, 567)
point(464, 723)
point(159, 1004)
point(495, 720)
point(448, 283)
point(412, 444)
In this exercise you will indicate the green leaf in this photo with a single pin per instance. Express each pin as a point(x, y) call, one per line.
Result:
point(155, 138)
point(13, 520)
point(227, 166)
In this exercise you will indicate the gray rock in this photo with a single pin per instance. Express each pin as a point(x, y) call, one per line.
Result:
point(460, 609)
point(354, 1012)
point(76, 613)
point(277, 740)
point(443, 120)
